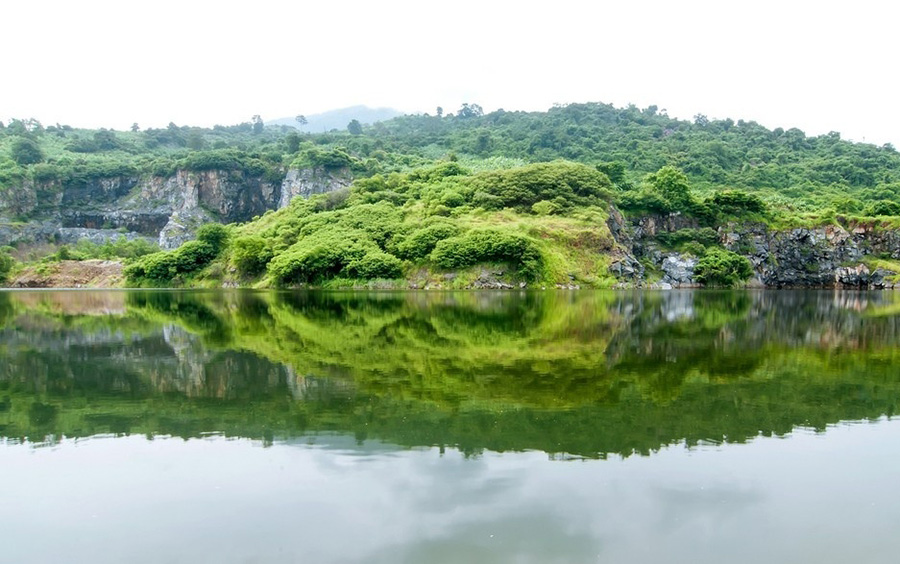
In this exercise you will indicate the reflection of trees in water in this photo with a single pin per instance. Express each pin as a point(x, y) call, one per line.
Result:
point(576, 372)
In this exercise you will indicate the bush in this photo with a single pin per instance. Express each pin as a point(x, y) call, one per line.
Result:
point(572, 183)
point(545, 208)
point(192, 256)
point(224, 159)
point(375, 264)
point(452, 199)
point(644, 200)
point(706, 236)
point(321, 255)
point(215, 235)
point(672, 185)
point(26, 151)
point(251, 254)
point(310, 264)
point(420, 243)
point(435, 174)
point(735, 202)
point(162, 267)
point(720, 267)
point(329, 159)
point(883, 207)
point(6, 263)
point(490, 245)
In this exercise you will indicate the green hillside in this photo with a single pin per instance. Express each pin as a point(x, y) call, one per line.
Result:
point(462, 199)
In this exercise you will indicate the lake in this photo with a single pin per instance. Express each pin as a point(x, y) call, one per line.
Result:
point(238, 426)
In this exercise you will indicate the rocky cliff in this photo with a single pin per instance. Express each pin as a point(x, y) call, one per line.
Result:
point(827, 256)
point(165, 209)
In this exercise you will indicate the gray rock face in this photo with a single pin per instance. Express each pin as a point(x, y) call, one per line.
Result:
point(307, 182)
point(827, 256)
point(679, 270)
point(167, 209)
point(98, 190)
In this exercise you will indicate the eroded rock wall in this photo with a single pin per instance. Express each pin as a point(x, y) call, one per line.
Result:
point(167, 210)
point(826, 256)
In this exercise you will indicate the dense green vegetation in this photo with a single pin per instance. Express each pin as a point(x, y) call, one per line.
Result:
point(587, 374)
point(794, 170)
point(164, 268)
point(719, 267)
point(514, 192)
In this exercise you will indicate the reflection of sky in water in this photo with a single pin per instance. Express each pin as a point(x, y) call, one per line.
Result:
point(821, 498)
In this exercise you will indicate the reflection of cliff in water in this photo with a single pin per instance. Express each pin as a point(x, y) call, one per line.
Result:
point(584, 373)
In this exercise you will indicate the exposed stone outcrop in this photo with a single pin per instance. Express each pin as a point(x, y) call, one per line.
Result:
point(310, 181)
point(678, 271)
point(825, 256)
point(165, 209)
point(624, 266)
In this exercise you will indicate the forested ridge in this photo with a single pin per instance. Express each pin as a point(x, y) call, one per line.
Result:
point(435, 193)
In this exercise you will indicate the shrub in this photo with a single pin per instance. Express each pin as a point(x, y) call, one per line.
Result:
point(6, 263)
point(46, 172)
point(720, 267)
point(706, 236)
point(309, 264)
point(223, 159)
point(420, 243)
point(436, 173)
point(452, 199)
point(490, 245)
point(26, 151)
point(672, 185)
point(735, 202)
point(573, 183)
point(162, 267)
point(251, 254)
point(545, 207)
point(329, 159)
point(215, 235)
point(192, 256)
point(883, 207)
point(644, 200)
point(322, 254)
point(375, 264)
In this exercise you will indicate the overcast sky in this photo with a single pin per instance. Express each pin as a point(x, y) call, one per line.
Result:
point(819, 66)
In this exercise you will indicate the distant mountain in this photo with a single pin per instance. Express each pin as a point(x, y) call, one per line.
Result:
point(338, 119)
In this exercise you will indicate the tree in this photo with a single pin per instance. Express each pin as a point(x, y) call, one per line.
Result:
point(354, 127)
point(6, 262)
point(135, 127)
point(470, 111)
point(672, 185)
point(258, 124)
point(614, 170)
point(105, 140)
point(26, 151)
point(215, 235)
point(195, 141)
point(301, 119)
point(293, 142)
point(720, 267)
point(440, 111)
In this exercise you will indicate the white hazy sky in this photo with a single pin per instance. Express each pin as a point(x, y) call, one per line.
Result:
point(819, 66)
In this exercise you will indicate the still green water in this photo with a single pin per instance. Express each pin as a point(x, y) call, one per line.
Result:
point(449, 427)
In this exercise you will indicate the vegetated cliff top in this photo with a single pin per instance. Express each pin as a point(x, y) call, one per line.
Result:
point(788, 167)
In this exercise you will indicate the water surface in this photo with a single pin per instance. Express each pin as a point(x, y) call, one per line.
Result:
point(448, 427)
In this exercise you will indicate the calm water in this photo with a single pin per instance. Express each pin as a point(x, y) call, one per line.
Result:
point(449, 427)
